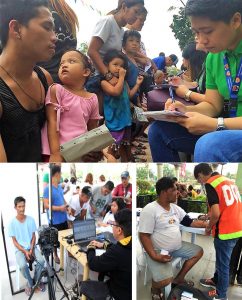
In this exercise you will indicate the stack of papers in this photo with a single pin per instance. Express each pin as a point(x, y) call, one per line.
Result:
point(164, 115)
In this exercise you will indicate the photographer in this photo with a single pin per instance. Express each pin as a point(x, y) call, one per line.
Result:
point(58, 204)
point(22, 231)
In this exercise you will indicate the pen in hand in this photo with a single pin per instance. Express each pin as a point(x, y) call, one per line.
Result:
point(172, 95)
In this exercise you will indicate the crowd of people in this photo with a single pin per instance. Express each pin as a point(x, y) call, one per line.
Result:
point(53, 93)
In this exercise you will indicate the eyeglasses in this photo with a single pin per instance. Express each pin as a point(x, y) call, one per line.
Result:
point(124, 178)
point(112, 224)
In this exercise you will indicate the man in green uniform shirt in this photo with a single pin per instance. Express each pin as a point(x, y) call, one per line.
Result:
point(213, 127)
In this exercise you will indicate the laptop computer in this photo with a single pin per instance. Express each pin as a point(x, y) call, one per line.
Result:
point(84, 232)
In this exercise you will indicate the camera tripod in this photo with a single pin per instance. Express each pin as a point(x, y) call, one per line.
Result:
point(50, 273)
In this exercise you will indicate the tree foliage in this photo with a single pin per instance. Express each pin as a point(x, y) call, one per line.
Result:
point(181, 28)
point(83, 47)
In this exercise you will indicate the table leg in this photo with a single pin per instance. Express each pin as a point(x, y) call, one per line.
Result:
point(193, 238)
point(61, 260)
point(85, 277)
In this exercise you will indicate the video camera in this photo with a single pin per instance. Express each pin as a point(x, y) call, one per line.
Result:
point(48, 239)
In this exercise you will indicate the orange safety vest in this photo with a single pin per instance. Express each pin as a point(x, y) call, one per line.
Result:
point(230, 206)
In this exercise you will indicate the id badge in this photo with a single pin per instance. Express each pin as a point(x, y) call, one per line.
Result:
point(233, 108)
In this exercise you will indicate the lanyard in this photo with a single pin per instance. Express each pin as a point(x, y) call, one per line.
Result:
point(233, 86)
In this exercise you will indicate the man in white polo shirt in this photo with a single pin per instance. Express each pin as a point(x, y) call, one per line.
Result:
point(159, 232)
point(79, 203)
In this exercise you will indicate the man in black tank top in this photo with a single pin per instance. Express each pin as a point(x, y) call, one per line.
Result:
point(22, 94)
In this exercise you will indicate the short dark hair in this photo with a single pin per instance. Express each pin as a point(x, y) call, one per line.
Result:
point(174, 179)
point(219, 10)
point(55, 169)
point(73, 180)
point(120, 203)
point(112, 54)
point(190, 188)
point(203, 168)
point(162, 54)
point(109, 185)
point(87, 190)
point(163, 184)
point(18, 200)
point(21, 10)
point(124, 219)
point(130, 33)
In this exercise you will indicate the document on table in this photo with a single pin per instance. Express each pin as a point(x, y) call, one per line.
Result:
point(164, 115)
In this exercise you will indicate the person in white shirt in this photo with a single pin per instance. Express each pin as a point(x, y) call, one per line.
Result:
point(79, 203)
point(159, 232)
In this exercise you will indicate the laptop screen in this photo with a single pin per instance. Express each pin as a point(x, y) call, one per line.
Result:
point(84, 230)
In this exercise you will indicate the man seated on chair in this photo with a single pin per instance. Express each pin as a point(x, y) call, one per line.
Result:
point(22, 231)
point(116, 262)
point(159, 232)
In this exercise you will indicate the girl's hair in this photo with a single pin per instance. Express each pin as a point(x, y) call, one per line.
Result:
point(120, 203)
point(21, 10)
point(89, 178)
point(128, 3)
point(67, 15)
point(112, 54)
point(130, 33)
point(196, 59)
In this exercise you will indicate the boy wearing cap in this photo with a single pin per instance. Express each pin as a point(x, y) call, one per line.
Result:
point(124, 189)
point(79, 203)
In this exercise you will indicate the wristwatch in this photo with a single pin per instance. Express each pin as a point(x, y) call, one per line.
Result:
point(108, 76)
point(220, 124)
point(187, 96)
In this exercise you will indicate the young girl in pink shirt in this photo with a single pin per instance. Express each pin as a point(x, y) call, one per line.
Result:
point(70, 109)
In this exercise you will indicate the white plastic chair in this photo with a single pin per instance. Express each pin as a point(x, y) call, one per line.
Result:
point(176, 263)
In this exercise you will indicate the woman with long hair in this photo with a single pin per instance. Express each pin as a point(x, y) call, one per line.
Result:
point(108, 35)
point(66, 26)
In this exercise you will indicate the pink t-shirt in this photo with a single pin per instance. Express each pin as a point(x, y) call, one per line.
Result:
point(73, 114)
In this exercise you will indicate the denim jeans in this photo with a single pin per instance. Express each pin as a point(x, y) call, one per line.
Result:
point(223, 254)
point(167, 139)
point(219, 146)
point(22, 263)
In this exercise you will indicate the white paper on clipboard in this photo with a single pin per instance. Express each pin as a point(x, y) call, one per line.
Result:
point(164, 115)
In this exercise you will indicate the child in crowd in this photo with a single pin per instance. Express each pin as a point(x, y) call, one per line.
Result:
point(117, 205)
point(117, 95)
point(71, 110)
point(131, 46)
point(159, 77)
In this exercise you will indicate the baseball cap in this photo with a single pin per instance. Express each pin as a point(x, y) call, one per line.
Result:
point(174, 58)
point(87, 190)
point(125, 174)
